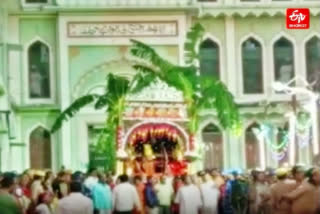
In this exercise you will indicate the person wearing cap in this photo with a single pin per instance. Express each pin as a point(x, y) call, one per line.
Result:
point(305, 199)
point(8, 204)
point(283, 186)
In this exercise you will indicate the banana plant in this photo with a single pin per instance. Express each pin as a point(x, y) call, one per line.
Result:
point(199, 92)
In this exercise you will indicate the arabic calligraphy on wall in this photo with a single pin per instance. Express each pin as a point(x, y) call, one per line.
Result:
point(122, 29)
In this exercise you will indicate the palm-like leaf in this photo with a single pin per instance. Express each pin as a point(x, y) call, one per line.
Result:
point(190, 47)
point(148, 54)
point(216, 95)
point(143, 78)
point(73, 109)
point(199, 93)
point(107, 146)
point(101, 102)
point(117, 90)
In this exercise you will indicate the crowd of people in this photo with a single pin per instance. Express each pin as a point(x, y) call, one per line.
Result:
point(280, 191)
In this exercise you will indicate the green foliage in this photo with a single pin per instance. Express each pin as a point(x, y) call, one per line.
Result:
point(148, 54)
point(199, 93)
point(1, 91)
point(190, 46)
point(113, 100)
point(72, 110)
point(107, 146)
point(143, 78)
point(216, 95)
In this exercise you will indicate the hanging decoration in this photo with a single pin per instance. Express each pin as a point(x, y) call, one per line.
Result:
point(277, 139)
point(178, 154)
point(303, 120)
point(178, 168)
point(148, 152)
point(150, 131)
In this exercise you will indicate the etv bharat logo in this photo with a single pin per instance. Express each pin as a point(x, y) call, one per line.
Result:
point(298, 18)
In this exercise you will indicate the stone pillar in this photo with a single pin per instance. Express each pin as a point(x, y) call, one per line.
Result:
point(65, 97)
point(234, 150)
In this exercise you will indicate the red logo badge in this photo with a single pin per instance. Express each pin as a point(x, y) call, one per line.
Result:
point(298, 18)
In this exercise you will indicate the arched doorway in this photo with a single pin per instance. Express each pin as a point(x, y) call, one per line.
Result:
point(252, 147)
point(40, 148)
point(213, 145)
point(156, 148)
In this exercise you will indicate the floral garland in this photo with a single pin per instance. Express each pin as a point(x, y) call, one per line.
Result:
point(268, 133)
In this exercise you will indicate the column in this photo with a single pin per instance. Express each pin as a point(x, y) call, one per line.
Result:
point(63, 77)
point(231, 68)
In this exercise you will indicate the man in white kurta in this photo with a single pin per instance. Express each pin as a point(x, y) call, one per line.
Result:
point(188, 198)
point(209, 195)
point(76, 202)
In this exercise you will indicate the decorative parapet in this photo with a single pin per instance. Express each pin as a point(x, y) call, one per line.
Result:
point(212, 8)
point(244, 11)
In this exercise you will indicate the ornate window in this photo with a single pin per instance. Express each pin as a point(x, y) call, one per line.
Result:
point(209, 59)
point(252, 67)
point(39, 71)
point(40, 149)
point(213, 144)
point(252, 147)
point(313, 61)
point(283, 53)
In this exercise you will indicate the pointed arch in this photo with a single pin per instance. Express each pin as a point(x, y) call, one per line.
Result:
point(39, 77)
point(252, 66)
point(252, 147)
point(40, 148)
point(210, 57)
point(284, 57)
point(212, 138)
point(312, 57)
point(39, 70)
